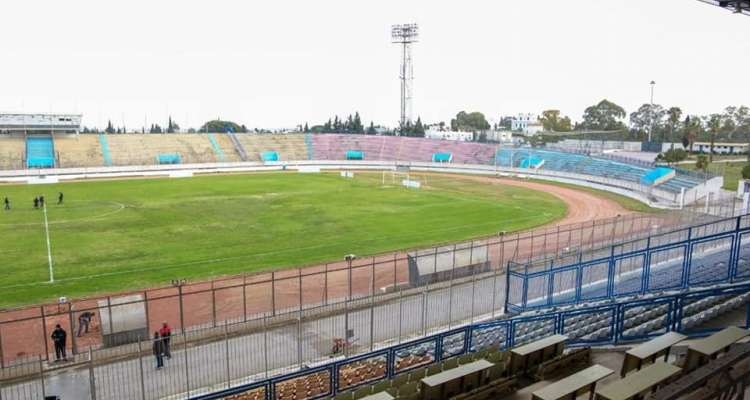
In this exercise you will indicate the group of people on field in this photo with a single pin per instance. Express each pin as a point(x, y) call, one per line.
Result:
point(161, 341)
point(38, 201)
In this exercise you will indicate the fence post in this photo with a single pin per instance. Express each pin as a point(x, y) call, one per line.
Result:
point(244, 297)
point(213, 303)
point(182, 313)
point(401, 312)
point(494, 292)
point(265, 344)
point(109, 311)
point(226, 347)
point(450, 288)
point(2, 356)
point(473, 290)
point(41, 376)
point(299, 320)
point(92, 378)
point(187, 363)
point(325, 286)
point(73, 341)
point(44, 331)
point(273, 293)
point(140, 369)
point(145, 305)
point(372, 308)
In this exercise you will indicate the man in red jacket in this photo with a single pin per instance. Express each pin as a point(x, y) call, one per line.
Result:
point(166, 334)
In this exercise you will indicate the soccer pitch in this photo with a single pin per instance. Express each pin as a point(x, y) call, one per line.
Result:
point(115, 235)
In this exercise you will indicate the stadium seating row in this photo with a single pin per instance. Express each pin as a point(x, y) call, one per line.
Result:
point(583, 164)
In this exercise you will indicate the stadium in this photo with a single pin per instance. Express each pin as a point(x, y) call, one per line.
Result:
point(329, 265)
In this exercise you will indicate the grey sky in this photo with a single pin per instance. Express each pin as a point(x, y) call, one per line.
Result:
point(279, 63)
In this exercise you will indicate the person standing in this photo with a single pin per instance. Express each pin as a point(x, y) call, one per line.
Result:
point(158, 348)
point(166, 336)
point(7, 203)
point(59, 337)
point(83, 322)
point(36, 202)
point(59, 198)
point(41, 201)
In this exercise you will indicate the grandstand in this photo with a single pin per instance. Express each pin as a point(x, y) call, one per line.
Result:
point(143, 149)
point(78, 150)
point(40, 151)
point(12, 151)
point(588, 165)
point(288, 147)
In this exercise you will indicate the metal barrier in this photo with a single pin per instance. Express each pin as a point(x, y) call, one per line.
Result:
point(700, 255)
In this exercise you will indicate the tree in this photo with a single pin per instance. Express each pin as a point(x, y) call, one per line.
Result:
point(713, 124)
point(673, 121)
point(155, 128)
point(357, 124)
point(219, 126)
point(371, 130)
point(701, 162)
point(604, 115)
point(306, 129)
point(110, 128)
point(551, 121)
point(172, 126)
point(506, 123)
point(418, 130)
point(746, 172)
point(674, 155)
point(692, 126)
point(482, 137)
point(648, 118)
point(469, 122)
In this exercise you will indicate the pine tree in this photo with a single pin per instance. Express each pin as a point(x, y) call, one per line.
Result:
point(306, 129)
point(371, 130)
point(357, 125)
point(418, 128)
point(110, 128)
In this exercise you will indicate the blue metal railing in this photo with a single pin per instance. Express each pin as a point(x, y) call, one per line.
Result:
point(616, 321)
point(693, 258)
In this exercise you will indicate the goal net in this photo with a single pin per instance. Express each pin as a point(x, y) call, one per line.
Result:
point(403, 178)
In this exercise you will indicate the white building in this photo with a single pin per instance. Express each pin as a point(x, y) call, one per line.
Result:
point(40, 123)
point(529, 124)
point(500, 136)
point(449, 135)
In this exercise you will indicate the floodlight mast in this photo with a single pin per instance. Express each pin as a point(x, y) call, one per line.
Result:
point(405, 35)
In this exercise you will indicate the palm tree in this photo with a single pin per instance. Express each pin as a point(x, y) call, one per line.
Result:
point(714, 124)
point(673, 117)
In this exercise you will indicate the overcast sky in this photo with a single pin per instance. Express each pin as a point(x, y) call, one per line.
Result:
point(278, 63)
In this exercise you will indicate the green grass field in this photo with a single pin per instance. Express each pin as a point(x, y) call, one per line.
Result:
point(125, 234)
point(731, 171)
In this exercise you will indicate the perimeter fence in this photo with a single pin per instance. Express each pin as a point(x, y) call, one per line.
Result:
point(25, 332)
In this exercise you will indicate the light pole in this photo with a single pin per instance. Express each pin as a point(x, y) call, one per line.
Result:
point(179, 283)
point(651, 112)
point(349, 259)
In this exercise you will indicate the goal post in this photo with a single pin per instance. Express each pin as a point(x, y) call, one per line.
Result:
point(397, 178)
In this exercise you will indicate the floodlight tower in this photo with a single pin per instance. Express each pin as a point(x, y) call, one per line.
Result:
point(405, 35)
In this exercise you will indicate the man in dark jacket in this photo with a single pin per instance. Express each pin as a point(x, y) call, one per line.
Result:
point(158, 348)
point(59, 337)
point(83, 322)
point(7, 204)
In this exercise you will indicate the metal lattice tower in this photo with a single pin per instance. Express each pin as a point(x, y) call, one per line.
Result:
point(405, 35)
